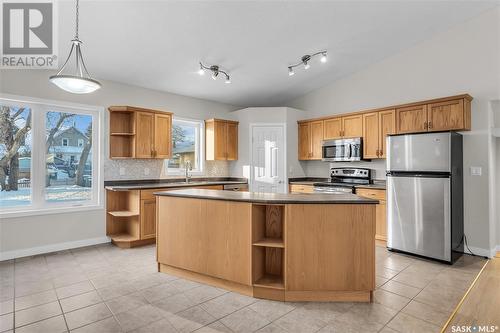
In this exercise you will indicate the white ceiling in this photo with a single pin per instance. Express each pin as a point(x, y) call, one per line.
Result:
point(158, 44)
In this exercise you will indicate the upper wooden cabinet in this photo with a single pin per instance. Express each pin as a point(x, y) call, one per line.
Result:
point(352, 126)
point(221, 138)
point(442, 114)
point(445, 114)
point(376, 127)
point(139, 133)
point(310, 140)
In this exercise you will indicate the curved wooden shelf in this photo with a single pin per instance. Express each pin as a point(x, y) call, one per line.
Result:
point(270, 281)
point(270, 242)
point(123, 213)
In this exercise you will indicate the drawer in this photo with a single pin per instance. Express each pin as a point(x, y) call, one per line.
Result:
point(300, 188)
point(148, 194)
point(372, 194)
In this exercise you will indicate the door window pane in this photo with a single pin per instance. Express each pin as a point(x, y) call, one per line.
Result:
point(68, 157)
point(15, 156)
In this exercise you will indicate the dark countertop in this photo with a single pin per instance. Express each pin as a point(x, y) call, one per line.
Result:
point(377, 184)
point(269, 198)
point(125, 185)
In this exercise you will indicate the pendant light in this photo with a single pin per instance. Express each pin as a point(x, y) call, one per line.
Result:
point(80, 82)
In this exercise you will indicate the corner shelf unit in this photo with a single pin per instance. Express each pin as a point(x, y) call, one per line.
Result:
point(122, 133)
point(122, 218)
point(268, 250)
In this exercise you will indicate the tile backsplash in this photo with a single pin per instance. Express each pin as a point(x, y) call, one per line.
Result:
point(155, 169)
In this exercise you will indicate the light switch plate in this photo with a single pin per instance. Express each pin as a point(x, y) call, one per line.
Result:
point(122, 171)
point(475, 171)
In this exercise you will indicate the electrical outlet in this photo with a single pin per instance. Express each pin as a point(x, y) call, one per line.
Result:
point(475, 171)
point(122, 171)
point(146, 171)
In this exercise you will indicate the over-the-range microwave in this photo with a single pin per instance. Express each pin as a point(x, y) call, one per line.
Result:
point(342, 150)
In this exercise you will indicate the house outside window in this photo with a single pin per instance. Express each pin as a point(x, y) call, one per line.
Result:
point(50, 170)
point(187, 145)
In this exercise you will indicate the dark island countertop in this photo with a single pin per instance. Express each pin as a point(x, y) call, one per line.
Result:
point(126, 185)
point(269, 198)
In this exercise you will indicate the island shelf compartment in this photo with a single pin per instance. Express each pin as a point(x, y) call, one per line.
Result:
point(122, 218)
point(268, 250)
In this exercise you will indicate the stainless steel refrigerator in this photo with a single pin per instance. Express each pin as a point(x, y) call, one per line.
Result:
point(425, 195)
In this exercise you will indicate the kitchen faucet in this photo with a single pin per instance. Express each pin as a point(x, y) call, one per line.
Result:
point(187, 168)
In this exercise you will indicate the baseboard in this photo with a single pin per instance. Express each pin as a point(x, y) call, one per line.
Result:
point(481, 252)
point(52, 248)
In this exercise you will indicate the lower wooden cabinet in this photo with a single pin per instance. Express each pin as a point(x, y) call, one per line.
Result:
point(381, 210)
point(148, 218)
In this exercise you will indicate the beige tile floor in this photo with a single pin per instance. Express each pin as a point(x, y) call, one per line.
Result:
point(107, 289)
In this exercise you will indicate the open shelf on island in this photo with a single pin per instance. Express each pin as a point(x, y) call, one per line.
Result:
point(270, 281)
point(270, 242)
point(123, 238)
point(123, 213)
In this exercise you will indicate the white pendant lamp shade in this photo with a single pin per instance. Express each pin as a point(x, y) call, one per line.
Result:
point(80, 81)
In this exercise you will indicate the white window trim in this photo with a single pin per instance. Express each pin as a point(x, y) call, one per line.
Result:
point(201, 164)
point(80, 141)
point(67, 142)
point(38, 204)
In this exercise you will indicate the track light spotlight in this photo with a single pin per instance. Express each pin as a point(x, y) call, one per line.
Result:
point(215, 72)
point(306, 61)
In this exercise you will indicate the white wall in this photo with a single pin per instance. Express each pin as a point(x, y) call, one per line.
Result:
point(464, 59)
point(288, 116)
point(31, 234)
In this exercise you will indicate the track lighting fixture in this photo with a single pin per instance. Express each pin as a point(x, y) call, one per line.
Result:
point(215, 72)
point(306, 61)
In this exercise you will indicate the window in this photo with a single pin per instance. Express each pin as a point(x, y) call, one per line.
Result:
point(186, 145)
point(49, 156)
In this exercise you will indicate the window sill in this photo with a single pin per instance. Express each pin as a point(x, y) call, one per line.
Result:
point(6, 214)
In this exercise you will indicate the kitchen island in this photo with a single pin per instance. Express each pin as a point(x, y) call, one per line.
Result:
point(288, 247)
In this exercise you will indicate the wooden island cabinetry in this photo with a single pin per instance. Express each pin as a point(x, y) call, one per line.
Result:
point(381, 210)
point(287, 247)
point(139, 133)
point(443, 114)
point(221, 140)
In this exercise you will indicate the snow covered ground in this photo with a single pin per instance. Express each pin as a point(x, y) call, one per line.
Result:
point(63, 193)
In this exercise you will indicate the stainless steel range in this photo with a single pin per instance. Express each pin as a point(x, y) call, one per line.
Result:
point(344, 180)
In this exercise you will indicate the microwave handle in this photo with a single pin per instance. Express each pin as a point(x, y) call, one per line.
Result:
point(349, 151)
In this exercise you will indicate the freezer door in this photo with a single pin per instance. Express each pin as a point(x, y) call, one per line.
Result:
point(419, 152)
point(418, 215)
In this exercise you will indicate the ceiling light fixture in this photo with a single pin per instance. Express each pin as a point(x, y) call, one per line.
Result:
point(215, 72)
point(80, 82)
point(306, 61)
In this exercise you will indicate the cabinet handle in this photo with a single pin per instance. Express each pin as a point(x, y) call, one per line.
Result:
point(376, 153)
point(430, 124)
point(381, 153)
point(425, 125)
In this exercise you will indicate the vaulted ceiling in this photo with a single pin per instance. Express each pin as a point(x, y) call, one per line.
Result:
point(158, 44)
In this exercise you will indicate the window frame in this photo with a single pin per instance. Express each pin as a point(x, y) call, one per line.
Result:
point(39, 109)
point(201, 141)
point(65, 140)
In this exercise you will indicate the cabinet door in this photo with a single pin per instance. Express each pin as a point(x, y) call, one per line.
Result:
point(144, 134)
point(220, 138)
point(446, 116)
point(148, 219)
point(352, 126)
point(163, 136)
point(316, 139)
point(304, 141)
point(371, 134)
point(381, 221)
point(332, 128)
point(387, 125)
point(232, 141)
point(412, 119)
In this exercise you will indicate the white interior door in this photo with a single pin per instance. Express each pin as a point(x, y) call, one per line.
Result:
point(268, 159)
